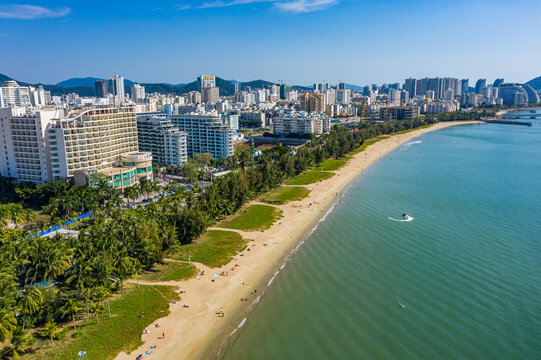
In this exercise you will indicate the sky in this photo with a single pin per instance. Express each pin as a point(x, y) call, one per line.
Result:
point(298, 41)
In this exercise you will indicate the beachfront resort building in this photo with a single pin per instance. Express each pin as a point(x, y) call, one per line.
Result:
point(206, 133)
point(97, 141)
point(301, 123)
point(23, 142)
point(156, 134)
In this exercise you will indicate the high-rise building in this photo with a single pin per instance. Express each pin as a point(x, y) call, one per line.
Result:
point(533, 97)
point(343, 95)
point(101, 88)
point(465, 86)
point(410, 85)
point(24, 146)
point(157, 135)
point(93, 141)
point(284, 91)
point(514, 94)
point(39, 96)
point(206, 133)
point(116, 87)
point(205, 81)
point(210, 95)
point(313, 102)
point(137, 93)
point(193, 97)
point(341, 86)
point(479, 84)
point(12, 94)
point(234, 88)
point(497, 83)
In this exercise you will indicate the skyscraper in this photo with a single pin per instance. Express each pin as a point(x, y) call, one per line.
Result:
point(480, 84)
point(116, 87)
point(101, 88)
point(137, 93)
point(234, 88)
point(284, 91)
point(497, 82)
point(465, 85)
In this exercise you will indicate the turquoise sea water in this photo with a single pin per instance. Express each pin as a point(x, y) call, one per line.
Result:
point(460, 281)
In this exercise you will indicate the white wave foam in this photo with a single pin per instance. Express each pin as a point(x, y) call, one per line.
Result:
point(407, 219)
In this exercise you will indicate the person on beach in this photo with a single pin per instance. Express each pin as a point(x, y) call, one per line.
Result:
point(163, 335)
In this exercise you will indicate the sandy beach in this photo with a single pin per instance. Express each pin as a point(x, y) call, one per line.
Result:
point(197, 331)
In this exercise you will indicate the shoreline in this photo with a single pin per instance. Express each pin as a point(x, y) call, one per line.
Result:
point(197, 331)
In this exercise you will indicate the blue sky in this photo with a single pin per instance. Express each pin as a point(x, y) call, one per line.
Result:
point(299, 41)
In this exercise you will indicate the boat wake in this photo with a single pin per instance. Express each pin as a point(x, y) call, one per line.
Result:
point(406, 219)
point(413, 143)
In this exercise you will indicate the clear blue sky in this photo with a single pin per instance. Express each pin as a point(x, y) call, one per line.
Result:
point(299, 41)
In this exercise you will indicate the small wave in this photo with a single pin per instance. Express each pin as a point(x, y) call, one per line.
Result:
point(415, 142)
point(407, 219)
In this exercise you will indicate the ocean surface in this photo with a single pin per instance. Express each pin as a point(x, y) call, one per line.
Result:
point(462, 280)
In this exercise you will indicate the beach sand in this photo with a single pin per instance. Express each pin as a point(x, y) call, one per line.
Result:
point(197, 331)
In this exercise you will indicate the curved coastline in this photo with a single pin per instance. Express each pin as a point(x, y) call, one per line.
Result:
point(197, 332)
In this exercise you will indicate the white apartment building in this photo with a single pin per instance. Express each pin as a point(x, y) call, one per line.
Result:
point(343, 95)
point(301, 123)
point(116, 87)
point(24, 147)
point(12, 94)
point(137, 93)
point(206, 133)
point(157, 135)
point(91, 140)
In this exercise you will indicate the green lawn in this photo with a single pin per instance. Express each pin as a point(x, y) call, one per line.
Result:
point(367, 143)
point(215, 248)
point(332, 164)
point(170, 270)
point(120, 332)
point(252, 218)
point(309, 177)
point(284, 194)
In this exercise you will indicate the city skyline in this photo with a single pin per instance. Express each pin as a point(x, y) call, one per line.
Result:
point(298, 41)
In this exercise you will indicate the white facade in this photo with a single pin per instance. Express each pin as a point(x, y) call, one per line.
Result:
point(156, 134)
point(92, 140)
point(206, 133)
point(137, 93)
point(11, 94)
point(24, 145)
point(301, 123)
point(116, 87)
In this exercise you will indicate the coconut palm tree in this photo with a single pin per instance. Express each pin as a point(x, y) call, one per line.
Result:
point(29, 301)
point(51, 331)
point(8, 324)
point(19, 344)
point(71, 307)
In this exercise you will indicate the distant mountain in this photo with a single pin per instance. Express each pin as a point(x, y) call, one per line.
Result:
point(354, 87)
point(85, 86)
point(535, 83)
point(79, 82)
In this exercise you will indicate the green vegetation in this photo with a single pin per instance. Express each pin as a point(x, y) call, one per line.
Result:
point(119, 332)
point(254, 217)
point(169, 271)
point(332, 164)
point(284, 194)
point(214, 249)
point(309, 177)
point(116, 243)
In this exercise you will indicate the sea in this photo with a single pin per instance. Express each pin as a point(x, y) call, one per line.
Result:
point(458, 278)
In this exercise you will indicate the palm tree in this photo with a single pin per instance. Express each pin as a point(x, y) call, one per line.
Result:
point(97, 309)
point(8, 324)
point(29, 300)
point(51, 330)
point(18, 344)
point(71, 307)
point(124, 268)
